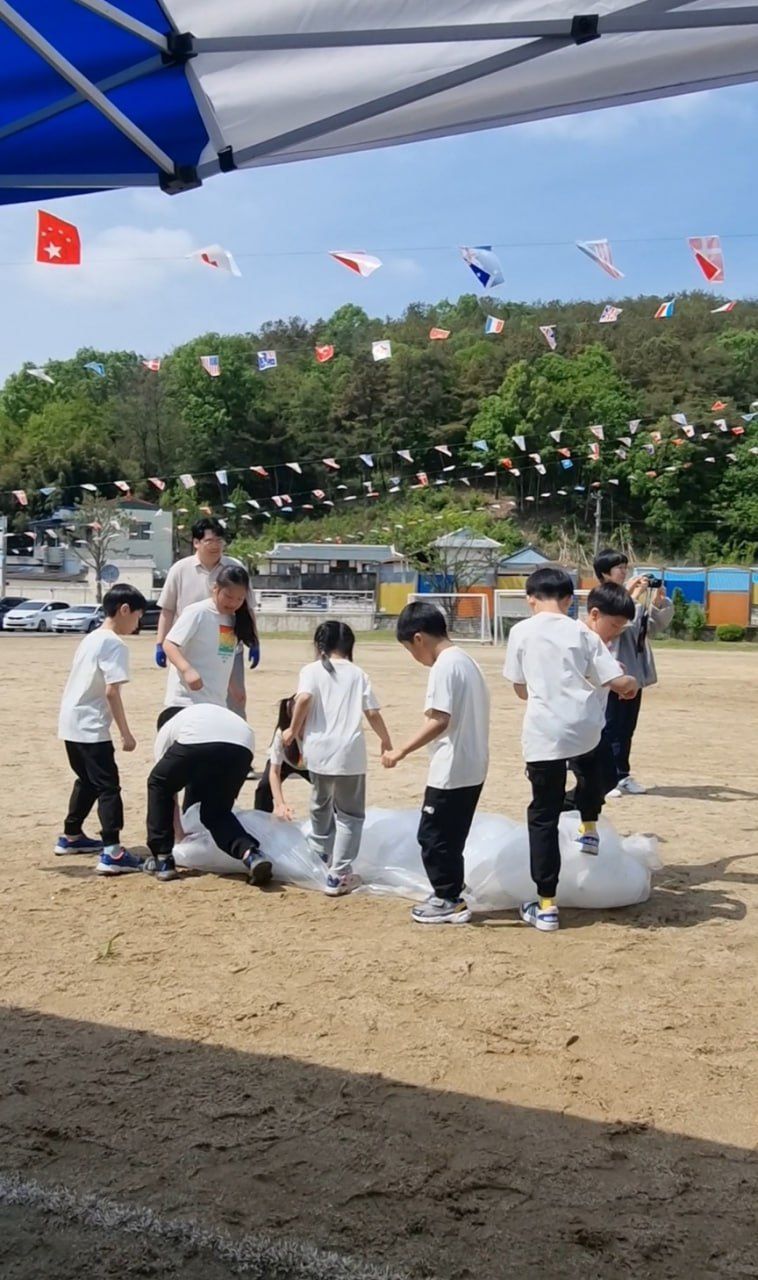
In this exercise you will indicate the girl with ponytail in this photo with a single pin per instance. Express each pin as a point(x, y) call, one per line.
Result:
point(333, 696)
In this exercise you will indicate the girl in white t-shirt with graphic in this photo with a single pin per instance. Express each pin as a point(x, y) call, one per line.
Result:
point(202, 644)
point(333, 696)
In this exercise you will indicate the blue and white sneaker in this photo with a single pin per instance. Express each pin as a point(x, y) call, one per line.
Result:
point(543, 918)
point(162, 867)
point(587, 842)
point(118, 862)
point(77, 844)
point(259, 868)
point(441, 911)
point(338, 886)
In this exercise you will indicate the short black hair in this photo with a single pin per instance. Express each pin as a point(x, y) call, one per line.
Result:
point(120, 595)
point(420, 616)
point(208, 524)
point(613, 600)
point(607, 560)
point(549, 583)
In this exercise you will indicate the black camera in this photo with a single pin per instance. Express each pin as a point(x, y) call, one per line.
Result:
point(653, 582)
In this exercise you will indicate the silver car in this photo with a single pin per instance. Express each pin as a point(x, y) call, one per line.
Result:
point(79, 617)
point(34, 615)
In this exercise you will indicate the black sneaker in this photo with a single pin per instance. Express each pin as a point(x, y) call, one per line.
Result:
point(163, 867)
point(259, 868)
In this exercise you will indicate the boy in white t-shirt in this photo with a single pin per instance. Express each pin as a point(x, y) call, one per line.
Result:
point(333, 696)
point(91, 701)
point(456, 731)
point(558, 667)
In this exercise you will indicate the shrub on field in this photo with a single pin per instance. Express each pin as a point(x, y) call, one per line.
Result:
point(695, 622)
point(730, 631)
point(679, 617)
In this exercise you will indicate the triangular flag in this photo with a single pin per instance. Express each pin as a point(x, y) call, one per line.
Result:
point(152, 365)
point(95, 366)
point(324, 353)
point(665, 310)
point(294, 466)
point(212, 365)
point(122, 485)
point(319, 494)
point(222, 478)
point(91, 488)
point(465, 481)
point(381, 350)
point(609, 315)
point(556, 435)
point(187, 480)
point(422, 478)
point(548, 332)
point(566, 453)
point(266, 360)
point(721, 424)
point(535, 457)
point(688, 430)
point(157, 483)
point(444, 448)
point(598, 432)
point(485, 266)
point(634, 425)
point(215, 256)
point(251, 502)
point(331, 464)
point(709, 257)
point(748, 417)
point(363, 264)
point(566, 463)
point(405, 454)
point(520, 442)
point(506, 462)
point(260, 471)
point(718, 406)
point(594, 452)
point(541, 468)
point(738, 431)
point(494, 324)
point(275, 498)
point(48, 489)
point(367, 459)
point(481, 445)
point(40, 375)
point(726, 306)
point(627, 440)
point(58, 242)
point(21, 498)
point(438, 335)
point(680, 419)
point(600, 252)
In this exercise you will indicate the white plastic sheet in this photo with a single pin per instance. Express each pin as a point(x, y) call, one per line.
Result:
point(497, 859)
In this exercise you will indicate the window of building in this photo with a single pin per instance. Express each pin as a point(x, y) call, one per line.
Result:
point(140, 530)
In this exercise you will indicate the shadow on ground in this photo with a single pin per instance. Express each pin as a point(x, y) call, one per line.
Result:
point(421, 1182)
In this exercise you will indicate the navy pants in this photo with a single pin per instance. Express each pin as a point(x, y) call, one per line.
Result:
point(621, 718)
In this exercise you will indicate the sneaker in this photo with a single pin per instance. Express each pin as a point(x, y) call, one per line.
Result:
point(587, 842)
point(163, 867)
point(259, 868)
point(630, 787)
point(77, 844)
point(543, 918)
point(441, 911)
point(337, 886)
point(118, 863)
point(615, 794)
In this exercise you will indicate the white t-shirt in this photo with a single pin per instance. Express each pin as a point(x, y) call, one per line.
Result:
point(207, 640)
point(102, 658)
point(460, 756)
point(202, 724)
point(189, 582)
point(563, 665)
point(333, 741)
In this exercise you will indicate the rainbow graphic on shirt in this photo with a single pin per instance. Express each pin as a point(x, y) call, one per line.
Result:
point(227, 641)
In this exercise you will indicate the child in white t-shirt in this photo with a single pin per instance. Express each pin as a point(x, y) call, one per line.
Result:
point(333, 696)
point(91, 701)
point(282, 763)
point(202, 644)
point(559, 667)
point(456, 731)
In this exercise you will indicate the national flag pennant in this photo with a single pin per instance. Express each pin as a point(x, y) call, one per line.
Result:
point(725, 306)
point(363, 264)
point(382, 350)
point(405, 454)
point(58, 242)
point(331, 463)
point(91, 488)
point(325, 353)
point(594, 452)
point(665, 310)
point(122, 485)
point(444, 448)
point(565, 453)
point(266, 360)
point(598, 432)
point(422, 478)
point(599, 251)
point(721, 424)
point(223, 478)
point(157, 483)
point(709, 257)
point(187, 480)
point(540, 466)
point(153, 365)
point(484, 264)
point(688, 430)
point(40, 375)
point(536, 457)
point(482, 445)
point(494, 324)
point(748, 417)
point(718, 406)
point(556, 435)
point(21, 498)
point(438, 335)
point(634, 425)
point(680, 419)
point(95, 366)
point(609, 315)
point(214, 256)
point(251, 502)
point(212, 365)
point(738, 431)
point(276, 499)
point(506, 462)
point(318, 494)
point(520, 442)
point(548, 332)
point(260, 471)
point(294, 466)
point(366, 459)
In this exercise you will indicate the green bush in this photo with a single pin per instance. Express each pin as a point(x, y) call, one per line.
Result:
point(679, 617)
point(695, 622)
point(730, 631)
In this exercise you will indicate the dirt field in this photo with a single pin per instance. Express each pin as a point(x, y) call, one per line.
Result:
point(479, 1102)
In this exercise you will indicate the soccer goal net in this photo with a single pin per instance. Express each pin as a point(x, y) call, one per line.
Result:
point(467, 613)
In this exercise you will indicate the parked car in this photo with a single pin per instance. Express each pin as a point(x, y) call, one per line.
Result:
point(149, 619)
point(34, 615)
point(7, 603)
point(79, 617)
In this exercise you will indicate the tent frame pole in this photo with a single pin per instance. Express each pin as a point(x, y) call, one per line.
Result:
point(113, 14)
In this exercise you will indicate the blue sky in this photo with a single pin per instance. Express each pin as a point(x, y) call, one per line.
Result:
point(673, 168)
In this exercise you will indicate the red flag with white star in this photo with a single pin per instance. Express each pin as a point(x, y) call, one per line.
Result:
point(58, 243)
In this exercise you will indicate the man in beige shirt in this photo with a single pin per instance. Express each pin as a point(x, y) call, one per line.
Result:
point(189, 581)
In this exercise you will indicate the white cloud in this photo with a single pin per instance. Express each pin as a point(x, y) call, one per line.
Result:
point(117, 264)
point(613, 123)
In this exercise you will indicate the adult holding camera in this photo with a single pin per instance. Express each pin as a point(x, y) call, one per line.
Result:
point(190, 580)
point(652, 615)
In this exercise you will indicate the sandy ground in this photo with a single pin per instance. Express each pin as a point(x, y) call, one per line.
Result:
point(456, 1103)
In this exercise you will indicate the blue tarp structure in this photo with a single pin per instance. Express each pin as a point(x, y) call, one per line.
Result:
point(98, 95)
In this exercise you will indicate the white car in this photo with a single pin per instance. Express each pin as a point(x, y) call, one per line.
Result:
point(34, 615)
point(80, 617)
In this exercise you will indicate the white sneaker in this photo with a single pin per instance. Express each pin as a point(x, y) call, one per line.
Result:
point(615, 794)
point(338, 886)
point(630, 787)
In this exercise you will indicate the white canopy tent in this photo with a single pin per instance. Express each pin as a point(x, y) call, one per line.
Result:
point(273, 81)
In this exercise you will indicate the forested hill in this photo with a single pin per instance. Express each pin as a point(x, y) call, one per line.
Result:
point(684, 491)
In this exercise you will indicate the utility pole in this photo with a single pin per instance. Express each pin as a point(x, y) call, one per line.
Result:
point(598, 519)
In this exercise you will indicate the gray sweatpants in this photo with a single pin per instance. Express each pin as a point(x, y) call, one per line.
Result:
point(338, 809)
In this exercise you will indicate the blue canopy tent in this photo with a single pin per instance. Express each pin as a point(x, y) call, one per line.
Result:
point(97, 95)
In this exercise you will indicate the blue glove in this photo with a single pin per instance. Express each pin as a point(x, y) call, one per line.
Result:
point(160, 658)
point(255, 656)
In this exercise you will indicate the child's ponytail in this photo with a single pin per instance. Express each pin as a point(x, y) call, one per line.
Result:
point(333, 637)
point(234, 575)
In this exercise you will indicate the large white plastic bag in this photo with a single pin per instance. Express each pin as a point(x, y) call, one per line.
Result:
point(497, 859)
